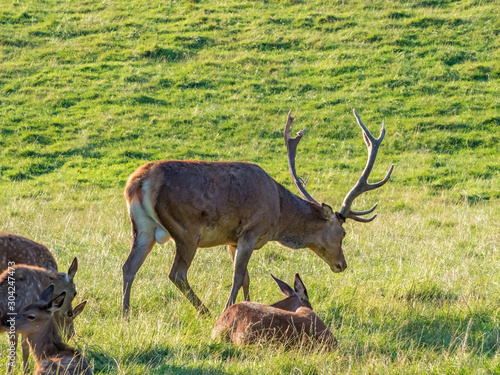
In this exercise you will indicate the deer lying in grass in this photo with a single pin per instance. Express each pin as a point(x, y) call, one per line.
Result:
point(52, 356)
point(21, 285)
point(289, 321)
point(205, 204)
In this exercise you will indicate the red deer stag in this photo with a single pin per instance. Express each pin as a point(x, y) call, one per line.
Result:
point(289, 321)
point(205, 204)
point(52, 356)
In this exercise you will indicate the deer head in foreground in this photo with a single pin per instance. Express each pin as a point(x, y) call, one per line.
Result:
point(289, 321)
point(52, 356)
point(29, 282)
point(205, 204)
point(18, 250)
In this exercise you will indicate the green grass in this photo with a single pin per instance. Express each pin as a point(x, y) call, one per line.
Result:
point(91, 90)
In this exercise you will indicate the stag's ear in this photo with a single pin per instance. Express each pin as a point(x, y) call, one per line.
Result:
point(300, 288)
point(327, 211)
point(78, 309)
point(285, 288)
point(72, 269)
point(57, 302)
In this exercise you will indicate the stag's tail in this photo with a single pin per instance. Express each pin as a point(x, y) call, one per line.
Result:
point(136, 180)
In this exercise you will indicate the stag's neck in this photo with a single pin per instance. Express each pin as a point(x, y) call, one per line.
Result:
point(297, 215)
point(46, 342)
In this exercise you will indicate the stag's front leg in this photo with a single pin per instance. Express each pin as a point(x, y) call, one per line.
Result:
point(184, 255)
point(243, 253)
point(246, 281)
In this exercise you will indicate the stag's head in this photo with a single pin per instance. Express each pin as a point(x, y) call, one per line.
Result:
point(328, 238)
point(329, 233)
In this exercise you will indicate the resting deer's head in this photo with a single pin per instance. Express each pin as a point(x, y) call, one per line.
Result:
point(296, 297)
point(34, 317)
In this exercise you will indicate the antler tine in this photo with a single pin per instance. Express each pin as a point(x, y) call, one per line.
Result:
point(358, 213)
point(362, 184)
point(362, 219)
point(291, 145)
point(355, 215)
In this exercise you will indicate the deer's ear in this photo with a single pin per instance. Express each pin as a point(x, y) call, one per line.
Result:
point(327, 211)
point(285, 288)
point(72, 269)
point(46, 296)
point(78, 309)
point(300, 288)
point(57, 302)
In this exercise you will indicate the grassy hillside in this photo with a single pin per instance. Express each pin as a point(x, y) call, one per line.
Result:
point(90, 90)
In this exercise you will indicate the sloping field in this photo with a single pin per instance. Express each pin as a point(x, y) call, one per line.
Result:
point(90, 90)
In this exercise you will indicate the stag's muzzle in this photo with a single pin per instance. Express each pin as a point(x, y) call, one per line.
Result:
point(339, 267)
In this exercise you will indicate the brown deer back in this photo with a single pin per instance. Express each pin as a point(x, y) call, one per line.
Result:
point(16, 249)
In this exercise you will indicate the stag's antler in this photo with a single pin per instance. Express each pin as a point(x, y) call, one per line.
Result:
point(362, 185)
point(291, 146)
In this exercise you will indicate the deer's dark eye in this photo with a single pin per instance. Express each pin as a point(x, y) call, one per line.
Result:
point(31, 317)
point(70, 314)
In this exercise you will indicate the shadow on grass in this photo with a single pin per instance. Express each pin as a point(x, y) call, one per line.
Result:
point(103, 363)
point(155, 360)
point(428, 323)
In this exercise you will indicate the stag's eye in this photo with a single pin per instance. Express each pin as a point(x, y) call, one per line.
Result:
point(70, 314)
point(31, 317)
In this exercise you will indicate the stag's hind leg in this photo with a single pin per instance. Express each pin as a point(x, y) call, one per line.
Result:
point(184, 255)
point(246, 281)
point(143, 240)
point(145, 232)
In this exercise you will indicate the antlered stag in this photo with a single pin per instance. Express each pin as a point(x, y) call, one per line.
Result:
point(205, 204)
point(289, 321)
